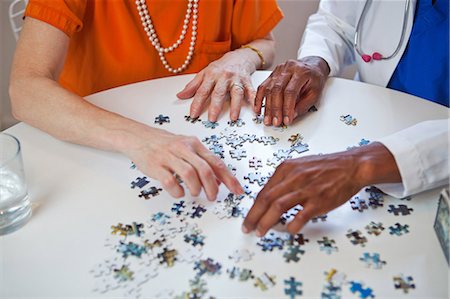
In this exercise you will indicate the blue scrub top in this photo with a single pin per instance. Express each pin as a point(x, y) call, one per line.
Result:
point(423, 68)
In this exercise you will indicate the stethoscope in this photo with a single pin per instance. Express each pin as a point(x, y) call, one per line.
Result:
point(377, 55)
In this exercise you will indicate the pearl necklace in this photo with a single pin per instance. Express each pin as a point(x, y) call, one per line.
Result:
point(153, 36)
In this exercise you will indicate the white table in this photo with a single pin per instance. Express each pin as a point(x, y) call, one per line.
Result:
point(78, 193)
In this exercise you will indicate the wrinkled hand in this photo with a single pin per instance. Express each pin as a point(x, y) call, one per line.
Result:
point(161, 155)
point(223, 79)
point(318, 183)
point(291, 90)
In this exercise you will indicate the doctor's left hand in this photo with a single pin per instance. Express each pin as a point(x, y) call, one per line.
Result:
point(226, 78)
point(291, 90)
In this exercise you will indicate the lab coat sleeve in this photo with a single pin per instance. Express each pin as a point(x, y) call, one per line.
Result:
point(329, 34)
point(422, 157)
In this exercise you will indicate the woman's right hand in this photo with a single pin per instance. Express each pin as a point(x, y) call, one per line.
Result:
point(160, 155)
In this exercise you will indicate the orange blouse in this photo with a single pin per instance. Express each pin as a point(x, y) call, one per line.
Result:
point(109, 47)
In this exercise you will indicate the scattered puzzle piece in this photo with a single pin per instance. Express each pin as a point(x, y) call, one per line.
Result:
point(269, 242)
point(282, 154)
point(151, 192)
point(356, 287)
point(194, 239)
point(168, 257)
point(265, 281)
point(400, 210)
point(258, 119)
point(327, 245)
point(348, 120)
point(372, 260)
point(238, 154)
point(131, 249)
point(292, 254)
point(255, 163)
point(295, 138)
point(293, 288)
point(161, 119)
point(356, 237)
point(241, 274)
point(363, 142)
point(192, 120)
point(257, 177)
point(123, 274)
point(217, 149)
point(266, 140)
point(374, 228)
point(238, 123)
point(241, 255)
point(399, 229)
point(207, 266)
point(140, 182)
point(358, 204)
point(210, 124)
point(404, 283)
point(299, 147)
point(197, 211)
point(178, 207)
point(213, 139)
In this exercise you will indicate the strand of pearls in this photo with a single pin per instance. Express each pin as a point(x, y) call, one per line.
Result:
point(192, 10)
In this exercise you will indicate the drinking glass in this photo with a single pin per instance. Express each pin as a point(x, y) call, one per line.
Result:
point(15, 207)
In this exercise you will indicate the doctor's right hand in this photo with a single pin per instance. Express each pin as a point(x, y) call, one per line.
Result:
point(291, 90)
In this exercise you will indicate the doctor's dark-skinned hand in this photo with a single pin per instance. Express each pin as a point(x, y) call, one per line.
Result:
point(291, 90)
point(319, 183)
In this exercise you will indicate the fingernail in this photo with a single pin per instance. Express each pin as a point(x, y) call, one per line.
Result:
point(258, 233)
point(275, 121)
point(286, 120)
point(244, 229)
point(266, 120)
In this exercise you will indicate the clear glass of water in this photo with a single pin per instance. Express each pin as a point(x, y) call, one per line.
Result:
point(15, 207)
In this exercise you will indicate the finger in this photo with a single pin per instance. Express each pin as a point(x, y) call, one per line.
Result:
point(237, 96)
point(268, 108)
point(260, 94)
point(250, 92)
point(169, 182)
point(221, 171)
point(208, 180)
point(200, 98)
point(305, 103)
point(277, 99)
point(276, 209)
point(262, 203)
point(218, 97)
point(302, 218)
point(191, 88)
point(187, 173)
point(291, 94)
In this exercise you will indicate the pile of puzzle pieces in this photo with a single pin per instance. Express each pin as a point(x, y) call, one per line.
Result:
point(142, 249)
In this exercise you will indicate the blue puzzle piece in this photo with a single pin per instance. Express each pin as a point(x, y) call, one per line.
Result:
point(293, 287)
point(356, 287)
point(140, 182)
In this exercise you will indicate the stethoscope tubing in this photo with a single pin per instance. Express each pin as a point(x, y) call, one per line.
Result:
point(357, 37)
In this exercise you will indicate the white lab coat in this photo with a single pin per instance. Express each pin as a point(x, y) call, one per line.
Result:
point(421, 151)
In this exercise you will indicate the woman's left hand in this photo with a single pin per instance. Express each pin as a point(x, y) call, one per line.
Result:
point(226, 78)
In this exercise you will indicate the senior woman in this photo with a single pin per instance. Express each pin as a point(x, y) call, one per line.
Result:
point(72, 48)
